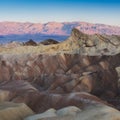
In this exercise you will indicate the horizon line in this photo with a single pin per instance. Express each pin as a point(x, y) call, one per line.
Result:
point(59, 22)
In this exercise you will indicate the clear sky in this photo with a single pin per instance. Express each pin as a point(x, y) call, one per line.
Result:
point(94, 11)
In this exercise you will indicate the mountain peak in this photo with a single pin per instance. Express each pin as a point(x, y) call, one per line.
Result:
point(78, 35)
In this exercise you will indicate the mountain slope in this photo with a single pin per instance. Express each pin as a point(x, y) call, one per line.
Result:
point(78, 42)
point(55, 28)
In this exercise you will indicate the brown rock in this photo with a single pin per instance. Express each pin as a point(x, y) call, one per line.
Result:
point(49, 42)
point(30, 43)
point(43, 101)
point(45, 72)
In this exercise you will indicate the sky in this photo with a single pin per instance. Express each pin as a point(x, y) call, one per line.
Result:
point(36, 11)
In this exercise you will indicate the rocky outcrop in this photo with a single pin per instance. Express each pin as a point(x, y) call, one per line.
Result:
point(92, 45)
point(95, 112)
point(49, 42)
point(30, 43)
point(49, 113)
point(71, 110)
point(14, 111)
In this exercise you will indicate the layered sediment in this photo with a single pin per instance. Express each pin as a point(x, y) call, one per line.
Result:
point(80, 71)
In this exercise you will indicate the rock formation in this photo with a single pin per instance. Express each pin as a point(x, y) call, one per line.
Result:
point(82, 71)
point(30, 43)
point(14, 111)
point(49, 42)
point(68, 73)
point(97, 112)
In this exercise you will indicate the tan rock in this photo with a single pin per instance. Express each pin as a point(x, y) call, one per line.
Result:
point(14, 111)
point(71, 110)
point(49, 113)
point(4, 95)
point(96, 112)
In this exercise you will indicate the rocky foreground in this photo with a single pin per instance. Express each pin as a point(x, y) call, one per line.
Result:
point(78, 79)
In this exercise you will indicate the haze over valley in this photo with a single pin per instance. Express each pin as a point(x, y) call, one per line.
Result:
point(16, 31)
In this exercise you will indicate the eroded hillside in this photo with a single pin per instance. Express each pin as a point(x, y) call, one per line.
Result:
point(77, 43)
point(80, 71)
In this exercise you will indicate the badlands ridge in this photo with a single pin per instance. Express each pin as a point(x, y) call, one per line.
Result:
point(77, 79)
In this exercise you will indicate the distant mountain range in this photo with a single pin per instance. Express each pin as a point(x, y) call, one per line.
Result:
point(16, 31)
point(55, 28)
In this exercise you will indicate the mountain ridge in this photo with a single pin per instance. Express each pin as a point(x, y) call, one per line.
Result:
point(56, 28)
